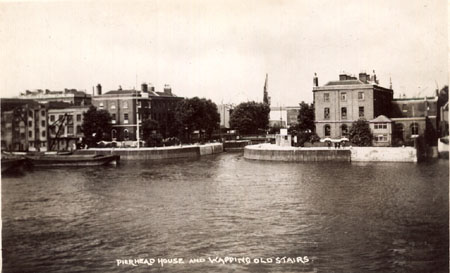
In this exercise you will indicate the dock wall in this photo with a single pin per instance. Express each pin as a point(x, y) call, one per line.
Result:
point(384, 154)
point(356, 154)
point(296, 155)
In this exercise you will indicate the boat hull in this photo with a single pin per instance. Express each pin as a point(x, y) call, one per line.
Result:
point(72, 161)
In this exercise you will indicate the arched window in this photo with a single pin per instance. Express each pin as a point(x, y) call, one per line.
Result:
point(113, 134)
point(327, 130)
point(126, 134)
point(414, 129)
point(344, 130)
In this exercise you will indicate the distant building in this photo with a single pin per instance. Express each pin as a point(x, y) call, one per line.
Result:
point(71, 96)
point(283, 116)
point(128, 107)
point(23, 125)
point(339, 103)
point(225, 111)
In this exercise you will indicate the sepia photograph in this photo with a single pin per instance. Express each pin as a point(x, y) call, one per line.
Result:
point(224, 136)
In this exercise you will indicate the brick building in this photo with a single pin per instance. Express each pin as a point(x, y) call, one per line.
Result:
point(392, 121)
point(126, 107)
point(339, 103)
point(23, 125)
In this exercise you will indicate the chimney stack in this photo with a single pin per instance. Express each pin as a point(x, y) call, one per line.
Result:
point(363, 77)
point(167, 89)
point(315, 80)
point(99, 89)
point(144, 87)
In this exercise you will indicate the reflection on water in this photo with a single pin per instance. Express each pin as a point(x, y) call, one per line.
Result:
point(346, 217)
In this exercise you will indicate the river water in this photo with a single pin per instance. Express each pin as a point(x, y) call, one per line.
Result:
point(276, 217)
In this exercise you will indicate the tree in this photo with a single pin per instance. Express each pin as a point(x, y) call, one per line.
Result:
point(250, 117)
point(305, 128)
point(360, 133)
point(96, 125)
point(306, 117)
point(197, 114)
point(150, 133)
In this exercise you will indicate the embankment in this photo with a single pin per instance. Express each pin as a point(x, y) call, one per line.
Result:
point(356, 154)
point(276, 153)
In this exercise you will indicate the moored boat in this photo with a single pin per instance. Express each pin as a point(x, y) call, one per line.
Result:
point(11, 163)
point(72, 160)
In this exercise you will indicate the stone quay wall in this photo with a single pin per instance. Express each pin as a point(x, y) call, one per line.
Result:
point(384, 154)
point(263, 152)
point(190, 151)
point(356, 154)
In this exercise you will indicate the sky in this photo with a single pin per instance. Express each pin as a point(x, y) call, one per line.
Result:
point(222, 50)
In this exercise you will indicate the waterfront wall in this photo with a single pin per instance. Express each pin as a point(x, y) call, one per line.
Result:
point(369, 154)
point(262, 152)
point(191, 151)
point(384, 154)
point(212, 148)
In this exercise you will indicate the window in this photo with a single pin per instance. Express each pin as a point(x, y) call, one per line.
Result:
point(139, 104)
point(414, 129)
point(326, 113)
point(360, 95)
point(381, 138)
point(43, 144)
point(113, 133)
point(43, 123)
point(361, 111)
point(404, 108)
point(70, 119)
point(327, 130)
point(380, 126)
point(125, 118)
point(30, 123)
point(326, 97)
point(30, 134)
point(344, 130)
point(100, 105)
point(343, 96)
point(344, 112)
point(43, 113)
point(126, 134)
point(43, 133)
point(52, 118)
point(113, 118)
point(70, 130)
point(60, 117)
point(125, 104)
point(113, 106)
point(79, 117)
point(78, 129)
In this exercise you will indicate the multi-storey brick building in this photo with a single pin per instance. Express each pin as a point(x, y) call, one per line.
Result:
point(23, 125)
point(126, 107)
point(392, 121)
point(339, 103)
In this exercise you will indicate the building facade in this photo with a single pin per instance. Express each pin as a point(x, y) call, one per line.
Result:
point(65, 126)
point(339, 103)
point(131, 107)
point(23, 125)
